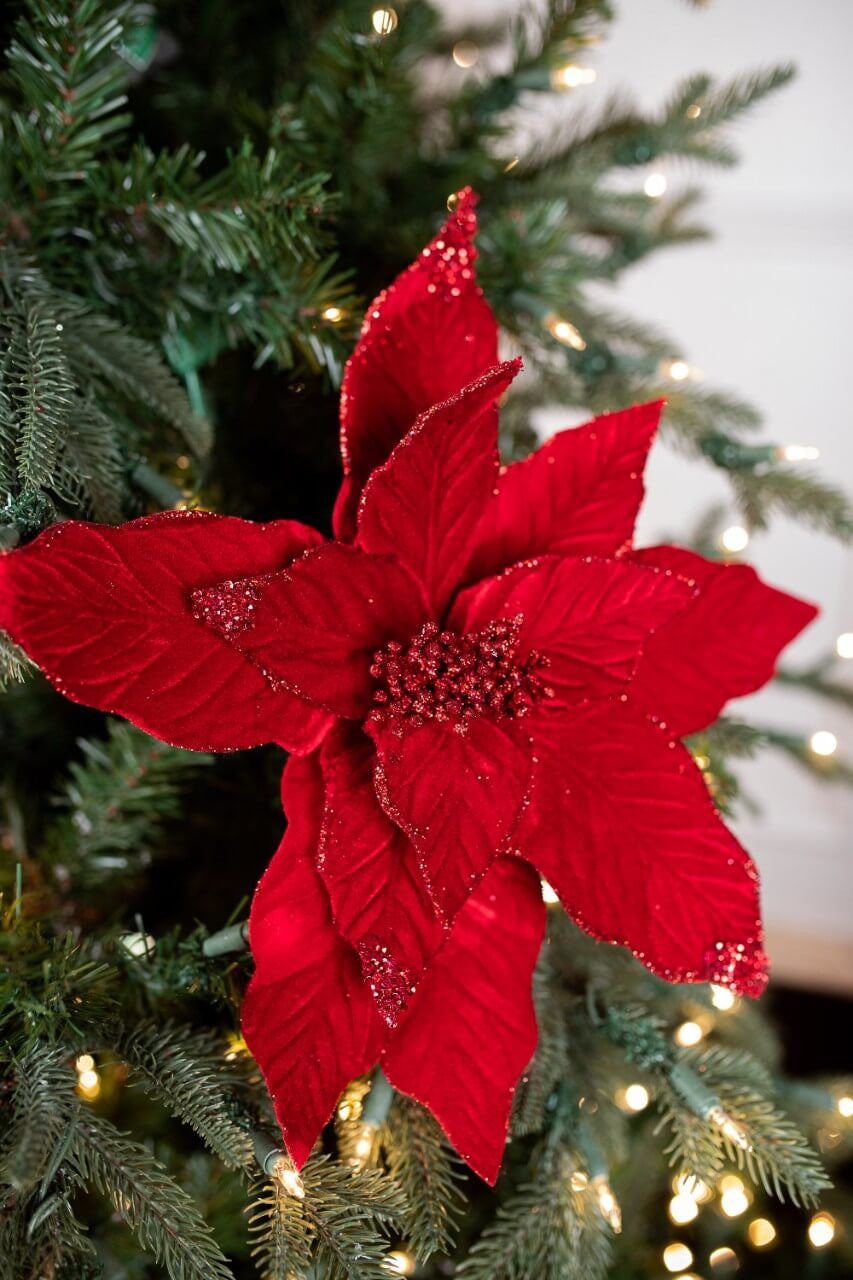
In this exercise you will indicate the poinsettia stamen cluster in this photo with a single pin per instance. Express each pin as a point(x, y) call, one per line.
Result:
point(454, 678)
point(481, 682)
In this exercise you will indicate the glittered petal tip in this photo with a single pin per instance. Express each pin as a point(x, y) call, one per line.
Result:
point(423, 505)
point(429, 334)
point(138, 620)
point(308, 1017)
point(741, 966)
point(471, 1029)
point(622, 826)
point(577, 495)
point(723, 646)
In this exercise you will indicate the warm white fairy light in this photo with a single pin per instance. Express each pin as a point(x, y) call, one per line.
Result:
point(688, 1034)
point(565, 332)
point(572, 76)
point(761, 1233)
point(333, 315)
point(677, 1256)
point(363, 1147)
point(678, 370)
point(607, 1203)
point(797, 453)
point(723, 1259)
point(400, 1263)
point(138, 945)
point(823, 743)
point(579, 1181)
point(844, 645)
point(844, 1106)
point(655, 185)
point(384, 21)
point(465, 54)
point(290, 1180)
point(722, 998)
point(548, 894)
point(687, 1184)
point(821, 1230)
point(84, 1063)
point(634, 1098)
point(730, 1128)
point(694, 111)
point(735, 538)
point(683, 1209)
point(734, 1199)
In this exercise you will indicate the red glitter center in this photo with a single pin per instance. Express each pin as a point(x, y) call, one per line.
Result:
point(441, 675)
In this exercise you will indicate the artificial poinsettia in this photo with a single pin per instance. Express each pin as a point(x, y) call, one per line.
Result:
point(480, 682)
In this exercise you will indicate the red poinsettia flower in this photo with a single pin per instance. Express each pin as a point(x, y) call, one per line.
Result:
point(481, 682)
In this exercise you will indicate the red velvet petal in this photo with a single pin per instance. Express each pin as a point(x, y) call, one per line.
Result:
point(426, 336)
point(457, 796)
point(622, 825)
point(472, 1029)
point(577, 495)
point(108, 614)
point(317, 625)
point(379, 900)
point(423, 505)
point(307, 1016)
point(589, 618)
point(725, 644)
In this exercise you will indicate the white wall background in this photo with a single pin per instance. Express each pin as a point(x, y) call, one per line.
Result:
point(765, 309)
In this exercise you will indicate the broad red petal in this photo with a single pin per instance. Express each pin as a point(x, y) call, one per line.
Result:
point(307, 1016)
point(110, 615)
point(317, 624)
point(724, 645)
point(379, 899)
point(622, 825)
point(423, 505)
point(589, 618)
point(426, 336)
point(471, 1029)
point(577, 495)
point(457, 796)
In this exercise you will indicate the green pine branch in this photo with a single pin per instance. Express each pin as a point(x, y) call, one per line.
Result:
point(428, 1172)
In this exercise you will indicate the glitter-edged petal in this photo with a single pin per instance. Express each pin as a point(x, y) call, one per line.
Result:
point(622, 825)
point(121, 619)
point(471, 1029)
point(587, 618)
point(423, 505)
point(424, 338)
point(370, 869)
point(724, 645)
point(577, 495)
point(308, 1017)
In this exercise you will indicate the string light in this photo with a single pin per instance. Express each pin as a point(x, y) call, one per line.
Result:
point(797, 453)
point(688, 1034)
point(384, 21)
point(84, 1063)
point(400, 1263)
point(332, 314)
point(730, 1128)
point(655, 185)
point(687, 1184)
point(694, 111)
point(683, 1209)
point(465, 54)
point(572, 76)
point(733, 1196)
point(633, 1098)
point(823, 743)
point(844, 1105)
point(723, 1258)
point(722, 998)
point(735, 538)
point(278, 1165)
point(363, 1147)
point(844, 645)
point(565, 333)
point(511, 163)
point(821, 1230)
point(88, 1079)
point(678, 370)
point(761, 1233)
point(677, 1256)
point(548, 894)
point(138, 945)
point(607, 1203)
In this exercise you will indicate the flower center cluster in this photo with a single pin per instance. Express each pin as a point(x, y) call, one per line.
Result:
point(443, 676)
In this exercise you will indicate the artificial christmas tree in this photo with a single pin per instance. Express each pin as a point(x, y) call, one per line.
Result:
point(480, 677)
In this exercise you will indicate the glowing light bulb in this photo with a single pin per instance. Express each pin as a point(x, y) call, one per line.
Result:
point(735, 538)
point(344, 1111)
point(823, 743)
point(579, 1181)
point(565, 333)
point(655, 185)
point(138, 945)
point(89, 1079)
point(332, 314)
point(821, 1230)
point(687, 1184)
point(678, 370)
point(384, 21)
point(465, 54)
point(636, 1097)
point(722, 998)
point(400, 1263)
point(363, 1148)
point(761, 1233)
point(797, 453)
point(548, 894)
point(84, 1063)
point(290, 1180)
point(677, 1256)
point(571, 76)
point(730, 1128)
point(694, 111)
point(688, 1034)
point(683, 1209)
point(734, 1200)
point(723, 1258)
point(845, 1106)
point(844, 645)
point(607, 1203)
